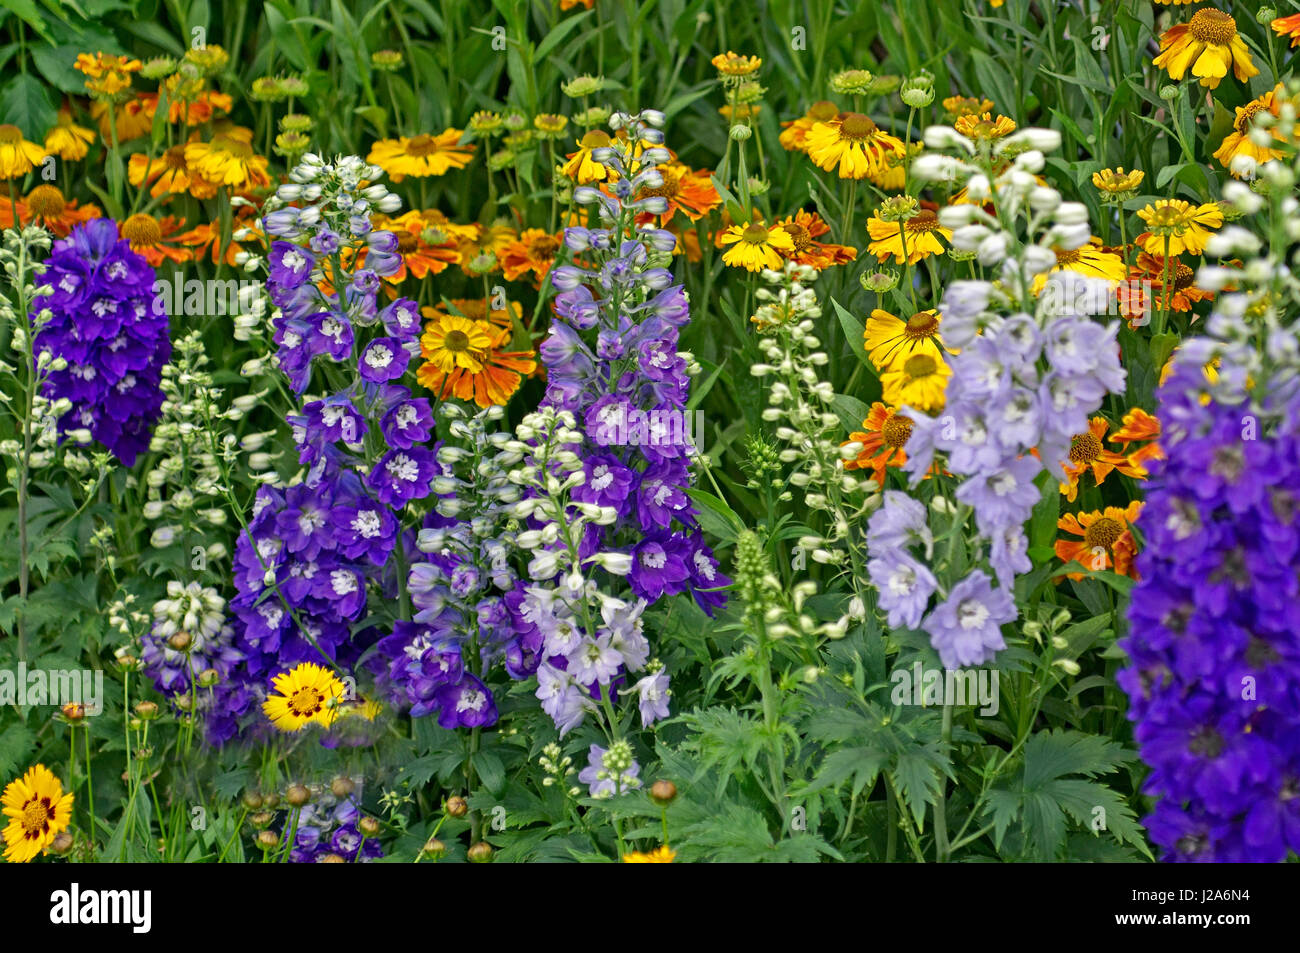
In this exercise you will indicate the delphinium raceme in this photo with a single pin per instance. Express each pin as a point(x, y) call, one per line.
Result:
point(1033, 365)
point(612, 361)
point(1214, 679)
point(111, 330)
point(437, 662)
point(320, 541)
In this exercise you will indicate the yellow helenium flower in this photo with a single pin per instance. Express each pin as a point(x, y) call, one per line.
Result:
point(755, 246)
point(660, 855)
point(1185, 226)
point(452, 341)
point(67, 140)
point(1209, 46)
point(37, 810)
point(107, 75)
point(1238, 142)
point(306, 694)
point(424, 155)
point(581, 167)
point(17, 155)
point(890, 341)
point(1091, 260)
point(854, 143)
point(919, 381)
point(984, 126)
point(1117, 181)
point(912, 239)
point(229, 159)
point(733, 64)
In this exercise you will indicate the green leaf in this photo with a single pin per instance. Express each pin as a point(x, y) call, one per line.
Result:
point(854, 333)
point(27, 104)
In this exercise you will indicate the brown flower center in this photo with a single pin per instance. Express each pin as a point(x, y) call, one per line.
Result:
point(142, 231)
point(10, 135)
point(1104, 533)
point(1247, 117)
point(46, 201)
point(1084, 448)
point(896, 431)
point(921, 325)
point(798, 234)
point(669, 188)
point(1183, 277)
point(919, 365)
point(306, 701)
point(174, 158)
point(857, 127)
point(1212, 26)
point(923, 221)
point(754, 234)
point(456, 341)
point(543, 248)
point(36, 817)
point(1066, 257)
point(595, 140)
point(421, 145)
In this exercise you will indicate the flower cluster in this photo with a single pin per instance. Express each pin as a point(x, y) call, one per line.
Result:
point(111, 331)
point(612, 363)
point(1033, 365)
point(465, 591)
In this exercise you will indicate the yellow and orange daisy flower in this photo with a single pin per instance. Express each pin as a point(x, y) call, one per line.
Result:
point(853, 143)
point(958, 106)
point(794, 135)
point(984, 126)
point(46, 205)
point(919, 381)
point(195, 110)
point(755, 246)
point(581, 167)
point(156, 239)
point(169, 174)
point(422, 155)
point(17, 155)
point(1187, 227)
point(229, 160)
point(1288, 26)
point(883, 436)
point(889, 340)
point(660, 855)
point(1092, 259)
point(427, 241)
point(67, 140)
point(804, 228)
point(686, 191)
point(733, 64)
point(466, 358)
point(1088, 452)
point(1138, 426)
point(133, 118)
point(38, 811)
point(1148, 272)
point(1238, 142)
point(534, 251)
point(1105, 540)
point(1209, 46)
point(478, 240)
point(106, 74)
point(909, 240)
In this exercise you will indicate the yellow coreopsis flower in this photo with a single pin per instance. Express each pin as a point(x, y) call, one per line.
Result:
point(37, 810)
point(1209, 46)
point(307, 694)
point(660, 855)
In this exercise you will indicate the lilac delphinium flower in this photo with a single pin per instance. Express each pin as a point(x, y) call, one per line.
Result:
point(610, 771)
point(110, 330)
point(1214, 643)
